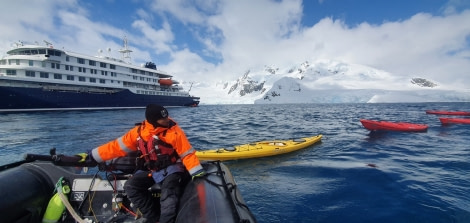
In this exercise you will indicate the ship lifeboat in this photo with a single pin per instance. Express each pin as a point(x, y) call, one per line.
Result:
point(166, 82)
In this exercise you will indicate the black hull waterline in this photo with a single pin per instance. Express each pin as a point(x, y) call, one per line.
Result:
point(19, 98)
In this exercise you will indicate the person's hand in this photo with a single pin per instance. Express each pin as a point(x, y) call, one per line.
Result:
point(82, 156)
point(87, 159)
point(199, 174)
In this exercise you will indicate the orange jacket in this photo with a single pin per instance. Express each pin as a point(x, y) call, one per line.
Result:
point(128, 142)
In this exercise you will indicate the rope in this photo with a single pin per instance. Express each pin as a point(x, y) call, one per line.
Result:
point(69, 207)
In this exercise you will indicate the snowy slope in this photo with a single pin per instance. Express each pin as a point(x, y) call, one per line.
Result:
point(325, 81)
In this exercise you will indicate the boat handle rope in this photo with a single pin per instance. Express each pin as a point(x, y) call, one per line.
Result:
point(225, 185)
point(229, 192)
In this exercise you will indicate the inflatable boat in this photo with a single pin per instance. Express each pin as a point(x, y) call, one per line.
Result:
point(45, 188)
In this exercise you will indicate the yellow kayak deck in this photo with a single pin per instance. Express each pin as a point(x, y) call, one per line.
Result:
point(258, 149)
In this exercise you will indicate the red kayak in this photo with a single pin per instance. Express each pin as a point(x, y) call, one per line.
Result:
point(447, 121)
point(393, 126)
point(441, 112)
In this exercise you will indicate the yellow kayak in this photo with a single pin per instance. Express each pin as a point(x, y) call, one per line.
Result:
point(258, 149)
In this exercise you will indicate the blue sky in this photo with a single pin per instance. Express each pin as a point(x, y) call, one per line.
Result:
point(221, 39)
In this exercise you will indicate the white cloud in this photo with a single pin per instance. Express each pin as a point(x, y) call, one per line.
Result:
point(184, 11)
point(244, 34)
point(161, 39)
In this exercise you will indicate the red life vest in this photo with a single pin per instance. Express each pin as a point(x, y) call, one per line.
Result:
point(158, 155)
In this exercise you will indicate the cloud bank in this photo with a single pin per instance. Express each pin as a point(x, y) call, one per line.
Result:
point(220, 39)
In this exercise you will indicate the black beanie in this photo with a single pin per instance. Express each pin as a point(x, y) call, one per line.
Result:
point(155, 112)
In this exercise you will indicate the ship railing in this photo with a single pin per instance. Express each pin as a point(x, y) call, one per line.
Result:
point(160, 92)
point(80, 89)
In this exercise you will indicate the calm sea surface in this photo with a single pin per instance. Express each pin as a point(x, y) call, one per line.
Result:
point(352, 176)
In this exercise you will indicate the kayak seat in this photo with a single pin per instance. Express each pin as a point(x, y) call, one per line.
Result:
point(277, 144)
point(231, 148)
point(299, 140)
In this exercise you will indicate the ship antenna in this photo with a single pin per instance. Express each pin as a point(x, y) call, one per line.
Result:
point(48, 44)
point(126, 52)
point(191, 86)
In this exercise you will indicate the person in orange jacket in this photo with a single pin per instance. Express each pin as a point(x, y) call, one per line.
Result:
point(168, 157)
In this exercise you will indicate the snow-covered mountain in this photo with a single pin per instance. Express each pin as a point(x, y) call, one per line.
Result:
point(325, 81)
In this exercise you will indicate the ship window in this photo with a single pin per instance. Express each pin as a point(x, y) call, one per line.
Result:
point(70, 77)
point(54, 53)
point(66, 67)
point(30, 73)
point(134, 71)
point(82, 79)
point(34, 52)
point(81, 60)
point(57, 66)
point(93, 80)
point(53, 65)
point(142, 72)
point(44, 75)
point(11, 72)
point(71, 68)
point(42, 51)
point(67, 58)
point(112, 66)
point(102, 64)
point(57, 76)
point(17, 62)
point(31, 63)
point(92, 63)
point(102, 81)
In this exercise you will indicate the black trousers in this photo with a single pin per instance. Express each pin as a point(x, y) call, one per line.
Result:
point(163, 210)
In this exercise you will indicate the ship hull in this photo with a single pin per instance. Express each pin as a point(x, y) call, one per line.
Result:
point(21, 98)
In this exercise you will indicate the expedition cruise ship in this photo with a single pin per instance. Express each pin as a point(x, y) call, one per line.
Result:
point(35, 77)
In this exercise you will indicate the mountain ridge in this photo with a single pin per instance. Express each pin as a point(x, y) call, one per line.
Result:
point(326, 81)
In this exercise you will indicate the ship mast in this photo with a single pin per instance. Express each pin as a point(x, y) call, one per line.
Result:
point(126, 52)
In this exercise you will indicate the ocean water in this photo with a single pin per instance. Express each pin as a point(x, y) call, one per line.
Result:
point(351, 176)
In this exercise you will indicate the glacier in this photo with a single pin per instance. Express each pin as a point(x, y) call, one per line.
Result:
point(325, 81)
